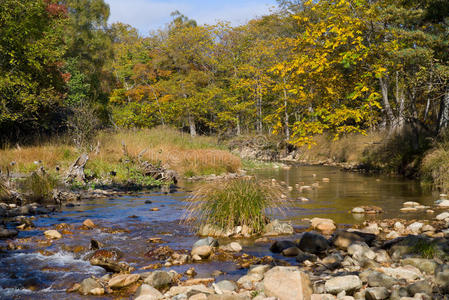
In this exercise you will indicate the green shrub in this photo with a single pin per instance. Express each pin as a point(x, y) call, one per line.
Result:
point(235, 202)
point(39, 187)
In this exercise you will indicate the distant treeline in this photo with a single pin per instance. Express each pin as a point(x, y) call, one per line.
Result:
point(309, 67)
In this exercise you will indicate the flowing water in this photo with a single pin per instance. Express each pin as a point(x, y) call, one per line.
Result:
point(43, 270)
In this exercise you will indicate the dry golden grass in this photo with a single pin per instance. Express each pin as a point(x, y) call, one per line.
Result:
point(177, 150)
point(349, 148)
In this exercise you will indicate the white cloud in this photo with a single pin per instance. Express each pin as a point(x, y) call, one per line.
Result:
point(147, 15)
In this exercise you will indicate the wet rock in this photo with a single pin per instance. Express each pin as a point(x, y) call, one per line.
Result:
point(232, 247)
point(212, 230)
point(358, 210)
point(372, 228)
point(348, 283)
point(209, 241)
point(424, 265)
point(108, 253)
point(123, 280)
point(276, 227)
point(74, 288)
point(313, 243)
point(342, 239)
point(326, 226)
point(202, 251)
point(287, 283)
point(110, 265)
point(302, 257)
point(159, 279)
point(292, 251)
point(87, 285)
point(279, 246)
point(89, 224)
point(147, 292)
point(421, 286)
point(259, 269)
point(52, 234)
point(160, 253)
point(410, 204)
point(97, 291)
point(8, 233)
point(376, 293)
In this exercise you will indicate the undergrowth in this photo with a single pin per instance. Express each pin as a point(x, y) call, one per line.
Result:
point(235, 202)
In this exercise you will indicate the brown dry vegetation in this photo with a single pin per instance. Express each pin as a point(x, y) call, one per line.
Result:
point(350, 148)
point(165, 146)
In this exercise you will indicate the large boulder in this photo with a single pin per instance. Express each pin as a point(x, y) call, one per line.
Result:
point(326, 226)
point(276, 227)
point(87, 285)
point(202, 251)
point(209, 241)
point(123, 280)
point(279, 246)
point(287, 283)
point(342, 239)
point(313, 243)
point(159, 279)
point(52, 234)
point(147, 292)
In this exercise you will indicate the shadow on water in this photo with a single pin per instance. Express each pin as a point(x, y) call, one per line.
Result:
point(26, 274)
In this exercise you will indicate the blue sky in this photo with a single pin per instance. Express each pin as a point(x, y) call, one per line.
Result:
point(147, 15)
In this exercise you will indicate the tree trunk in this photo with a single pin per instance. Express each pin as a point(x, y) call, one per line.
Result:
point(443, 121)
point(259, 110)
point(192, 126)
point(286, 124)
point(387, 107)
point(238, 126)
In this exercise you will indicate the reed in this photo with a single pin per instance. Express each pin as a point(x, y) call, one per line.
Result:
point(235, 202)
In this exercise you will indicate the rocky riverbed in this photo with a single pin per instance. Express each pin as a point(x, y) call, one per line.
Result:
point(133, 246)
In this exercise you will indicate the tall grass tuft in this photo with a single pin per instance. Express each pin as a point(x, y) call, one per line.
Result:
point(4, 193)
point(39, 187)
point(232, 203)
point(435, 166)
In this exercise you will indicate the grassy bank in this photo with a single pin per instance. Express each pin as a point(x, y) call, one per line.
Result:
point(163, 147)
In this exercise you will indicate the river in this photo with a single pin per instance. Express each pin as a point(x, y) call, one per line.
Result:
point(43, 270)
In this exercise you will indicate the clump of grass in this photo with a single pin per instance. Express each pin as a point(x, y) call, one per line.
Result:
point(235, 202)
point(426, 249)
point(4, 193)
point(435, 167)
point(39, 187)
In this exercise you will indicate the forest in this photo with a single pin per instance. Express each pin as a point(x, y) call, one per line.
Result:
point(308, 68)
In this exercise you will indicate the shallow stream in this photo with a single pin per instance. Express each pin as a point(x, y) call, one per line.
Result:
point(129, 223)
